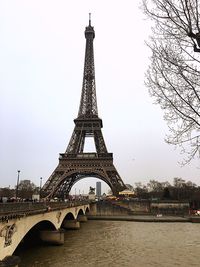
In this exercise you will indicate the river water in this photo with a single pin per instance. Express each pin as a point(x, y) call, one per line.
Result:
point(124, 244)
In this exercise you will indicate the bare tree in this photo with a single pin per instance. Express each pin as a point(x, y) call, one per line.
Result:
point(173, 75)
point(26, 189)
point(175, 19)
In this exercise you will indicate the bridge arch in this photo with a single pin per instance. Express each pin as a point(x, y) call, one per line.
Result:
point(31, 231)
point(32, 236)
point(69, 216)
point(81, 212)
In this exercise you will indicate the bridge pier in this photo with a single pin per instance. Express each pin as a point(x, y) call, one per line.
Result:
point(82, 218)
point(71, 224)
point(54, 237)
point(10, 261)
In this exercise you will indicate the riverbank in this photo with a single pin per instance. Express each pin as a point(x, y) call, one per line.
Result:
point(145, 218)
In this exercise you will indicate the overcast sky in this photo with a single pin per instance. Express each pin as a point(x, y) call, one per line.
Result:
point(41, 67)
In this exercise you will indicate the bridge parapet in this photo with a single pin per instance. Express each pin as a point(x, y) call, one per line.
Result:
point(19, 209)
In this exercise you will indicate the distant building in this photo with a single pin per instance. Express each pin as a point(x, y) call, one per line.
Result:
point(98, 189)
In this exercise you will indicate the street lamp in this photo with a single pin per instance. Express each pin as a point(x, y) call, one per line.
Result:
point(17, 184)
point(40, 186)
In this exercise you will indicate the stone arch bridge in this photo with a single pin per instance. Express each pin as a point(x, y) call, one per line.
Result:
point(17, 220)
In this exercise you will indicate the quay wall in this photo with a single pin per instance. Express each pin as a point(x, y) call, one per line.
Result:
point(144, 207)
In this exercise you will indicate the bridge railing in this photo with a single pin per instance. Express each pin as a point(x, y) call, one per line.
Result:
point(19, 209)
point(14, 207)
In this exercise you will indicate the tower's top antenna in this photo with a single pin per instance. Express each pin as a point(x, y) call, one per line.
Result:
point(89, 19)
point(89, 30)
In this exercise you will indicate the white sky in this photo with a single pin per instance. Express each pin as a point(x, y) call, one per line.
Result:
point(41, 66)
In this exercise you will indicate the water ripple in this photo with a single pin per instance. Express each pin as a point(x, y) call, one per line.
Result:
point(128, 244)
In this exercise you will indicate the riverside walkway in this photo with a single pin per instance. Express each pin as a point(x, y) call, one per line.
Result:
point(141, 218)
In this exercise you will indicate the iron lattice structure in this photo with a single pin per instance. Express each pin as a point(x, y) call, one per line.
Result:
point(75, 164)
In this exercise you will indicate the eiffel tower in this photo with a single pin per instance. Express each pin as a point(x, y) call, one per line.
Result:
point(75, 164)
